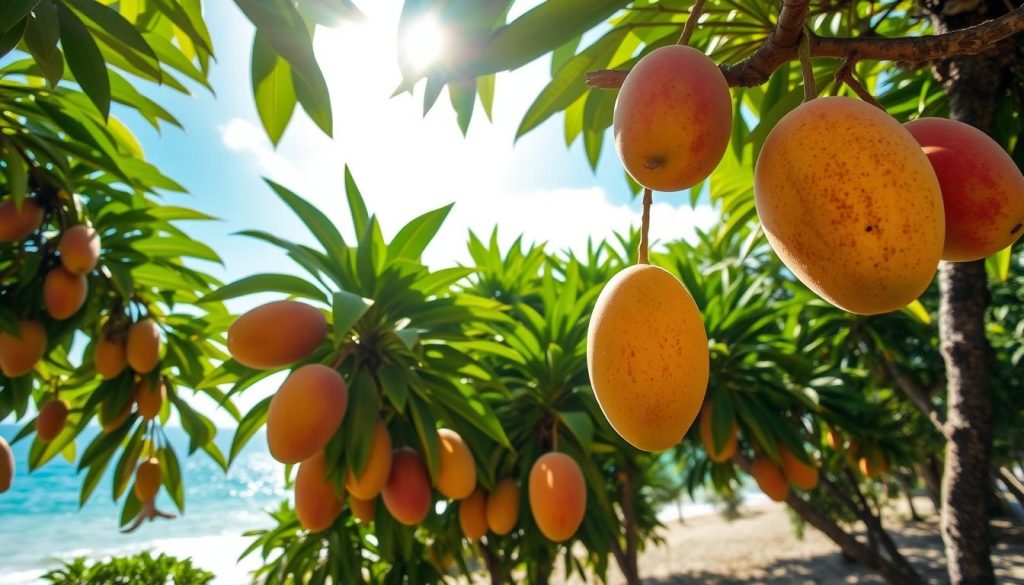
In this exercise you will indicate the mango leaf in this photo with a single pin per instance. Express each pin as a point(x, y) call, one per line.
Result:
point(998, 264)
point(170, 471)
point(426, 430)
point(356, 204)
point(918, 312)
point(410, 241)
point(247, 427)
point(322, 228)
point(14, 11)
point(259, 283)
point(272, 88)
point(394, 386)
point(10, 38)
point(348, 308)
point(41, 35)
point(579, 423)
point(360, 418)
point(84, 59)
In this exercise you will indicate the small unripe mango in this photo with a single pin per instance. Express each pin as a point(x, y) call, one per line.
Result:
point(276, 334)
point(110, 357)
point(378, 468)
point(147, 479)
point(456, 472)
point(52, 418)
point(19, 355)
point(149, 401)
point(363, 510)
point(673, 118)
point(407, 493)
point(770, 479)
point(79, 249)
point(64, 293)
point(305, 413)
point(647, 353)
point(316, 502)
point(15, 224)
point(143, 348)
point(707, 437)
point(503, 507)
point(558, 496)
point(801, 475)
point(850, 204)
point(982, 188)
point(473, 515)
point(6, 465)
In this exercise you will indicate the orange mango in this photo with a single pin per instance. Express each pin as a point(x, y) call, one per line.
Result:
point(52, 418)
point(407, 493)
point(317, 504)
point(6, 465)
point(473, 514)
point(706, 437)
point(64, 292)
point(558, 496)
point(79, 249)
point(800, 474)
point(143, 348)
point(110, 357)
point(20, 354)
point(306, 412)
point(770, 478)
point(276, 334)
point(503, 507)
point(378, 468)
point(147, 479)
point(456, 473)
point(15, 224)
point(148, 400)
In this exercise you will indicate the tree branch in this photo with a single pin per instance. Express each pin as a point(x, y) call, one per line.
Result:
point(781, 46)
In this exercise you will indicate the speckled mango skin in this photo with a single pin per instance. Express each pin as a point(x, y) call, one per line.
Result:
point(558, 496)
point(673, 118)
point(982, 188)
point(851, 205)
point(647, 353)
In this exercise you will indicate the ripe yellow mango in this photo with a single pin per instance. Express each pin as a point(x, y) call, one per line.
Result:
point(64, 292)
point(148, 400)
point(15, 224)
point(79, 249)
point(473, 515)
point(407, 494)
point(110, 357)
point(276, 334)
point(503, 507)
point(375, 475)
point(143, 348)
point(316, 502)
point(6, 465)
point(363, 510)
point(305, 413)
point(20, 354)
point(52, 418)
point(647, 353)
point(558, 496)
point(801, 475)
point(147, 479)
point(456, 473)
point(770, 479)
point(850, 204)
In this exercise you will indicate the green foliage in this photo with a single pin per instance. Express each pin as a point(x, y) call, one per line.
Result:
point(141, 568)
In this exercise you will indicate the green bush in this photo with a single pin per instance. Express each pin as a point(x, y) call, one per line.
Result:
point(141, 569)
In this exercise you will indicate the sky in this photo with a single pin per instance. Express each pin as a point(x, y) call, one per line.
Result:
point(405, 163)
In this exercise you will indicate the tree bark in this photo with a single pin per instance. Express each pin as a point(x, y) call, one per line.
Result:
point(628, 558)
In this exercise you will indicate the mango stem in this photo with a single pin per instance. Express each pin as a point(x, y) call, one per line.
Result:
point(691, 22)
point(645, 224)
point(806, 67)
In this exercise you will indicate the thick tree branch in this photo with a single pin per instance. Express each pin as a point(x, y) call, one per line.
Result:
point(781, 46)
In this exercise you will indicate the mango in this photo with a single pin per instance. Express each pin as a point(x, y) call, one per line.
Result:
point(363, 510)
point(317, 504)
point(872, 463)
point(64, 293)
point(305, 413)
point(79, 249)
point(473, 514)
point(375, 475)
point(647, 354)
point(407, 492)
point(707, 438)
point(143, 347)
point(147, 479)
point(850, 204)
point(799, 474)
point(110, 357)
point(19, 355)
point(558, 496)
point(16, 225)
point(834, 440)
point(6, 465)
point(276, 334)
point(456, 473)
point(673, 118)
point(109, 424)
point(503, 507)
point(52, 418)
point(770, 478)
point(149, 401)
point(982, 188)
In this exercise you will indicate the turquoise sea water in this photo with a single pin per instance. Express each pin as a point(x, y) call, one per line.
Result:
point(40, 521)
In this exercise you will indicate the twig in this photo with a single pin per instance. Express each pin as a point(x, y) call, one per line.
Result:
point(645, 224)
point(807, 68)
point(845, 75)
point(691, 22)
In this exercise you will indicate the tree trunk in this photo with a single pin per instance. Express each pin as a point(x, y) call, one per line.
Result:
point(973, 85)
point(1013, 484)
point(627, 558)
point(930, 473)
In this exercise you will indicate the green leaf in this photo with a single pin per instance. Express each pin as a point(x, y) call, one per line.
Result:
point(10, 38)
point(169, 247)
point(356, 204)
point(315, 99)
point(394, 386)
point(41, 35)
point(272, 87)
point(426, 430)
point(131, 509)
point(171, 473)
point(17, 175)
point(462, 95)
point(247, 427)
point(918, 312)
point(410, 241)
point(485, 91)
point(314, 219)
point(121, 278)
point(541, 30)
point(360, 418)
point(14, 11)
point(260, 283)
point(581, 426)
point(998, 264)
point(111, 22)
point(195, 28)
point(348, 308)
point(93, 476)
point(84, 59)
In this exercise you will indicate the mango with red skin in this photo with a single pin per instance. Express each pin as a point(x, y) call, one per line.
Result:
point(407, 493)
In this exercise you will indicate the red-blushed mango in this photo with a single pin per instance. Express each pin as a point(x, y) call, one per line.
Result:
point(558, 496)
point(147, 400)
point(770, 479)
point(706, 437)
point(363, 510)
point(111, 422)
point(456, 472)
point(378, 467)
point(110, 357)
point(143, 347)
point(274, 335)
point(147, 479)
point(79, 249)
point(6, 465)
point(800, 474)
point(503, 507)
point(982, 188)
point(64, 293)
point(15, 224)
point(647, 353)
point(407, 493)
point(850, 204)
point(317, 503)
point(19, 355)
point(52, 418)
point(305, 413)
point(473, 514)
point(673, 118)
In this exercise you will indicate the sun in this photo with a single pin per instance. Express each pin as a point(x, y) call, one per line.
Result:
point(423, 43)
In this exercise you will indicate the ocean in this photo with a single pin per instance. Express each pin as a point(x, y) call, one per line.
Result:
point(41, 523)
